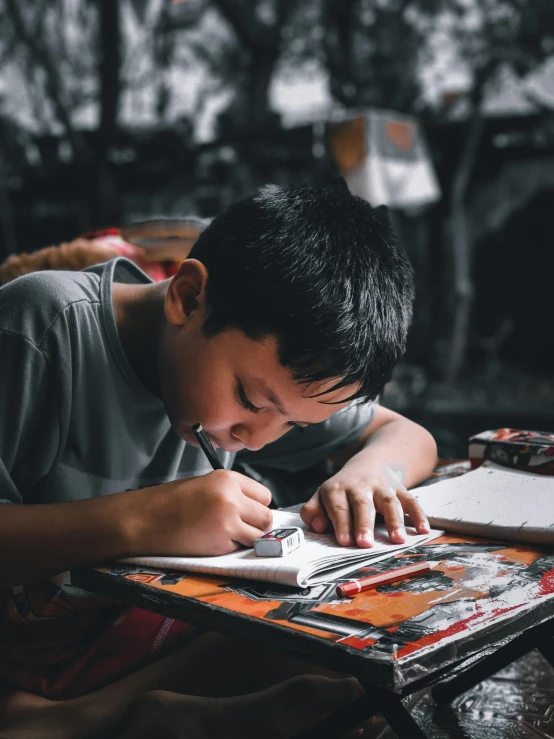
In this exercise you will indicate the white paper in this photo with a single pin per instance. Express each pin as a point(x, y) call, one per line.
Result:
point(494, 501)
point(318, 559)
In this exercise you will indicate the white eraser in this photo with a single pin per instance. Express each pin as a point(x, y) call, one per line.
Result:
point(279, 542)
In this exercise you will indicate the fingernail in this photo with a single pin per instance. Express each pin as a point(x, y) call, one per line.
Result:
point(344, 539)
point(365, 539)
point(401, 533)
point(425, 527)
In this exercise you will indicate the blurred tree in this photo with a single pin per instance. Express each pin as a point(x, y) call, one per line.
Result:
point(39, 44)
point(491, 36)
point(371, 52)
point(109, 68)
point(73, 65)
point(258, 28)
point(9, 135)
point(56, 70)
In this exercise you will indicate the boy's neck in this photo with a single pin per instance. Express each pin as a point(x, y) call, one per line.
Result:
point(139, 316)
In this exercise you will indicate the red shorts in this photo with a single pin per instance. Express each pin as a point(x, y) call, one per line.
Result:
point(70, 656)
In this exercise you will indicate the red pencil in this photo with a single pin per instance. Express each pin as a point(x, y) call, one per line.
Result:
point(383, 578)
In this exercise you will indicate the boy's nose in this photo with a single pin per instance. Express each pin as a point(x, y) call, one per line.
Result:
point(256, 437)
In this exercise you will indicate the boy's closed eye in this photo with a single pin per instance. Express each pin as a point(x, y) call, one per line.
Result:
point(244, 400)
point(246, 403)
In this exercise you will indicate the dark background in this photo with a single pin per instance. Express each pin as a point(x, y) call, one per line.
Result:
point(115, 110)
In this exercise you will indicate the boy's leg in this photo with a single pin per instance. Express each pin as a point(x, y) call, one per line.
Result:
point(278, 712)
point(209, 665)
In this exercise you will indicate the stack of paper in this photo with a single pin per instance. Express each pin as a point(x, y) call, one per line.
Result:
point(493, 501)
point(319, 559)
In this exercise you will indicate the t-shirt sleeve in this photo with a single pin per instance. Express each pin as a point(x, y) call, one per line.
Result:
point(304, 447)
point(29, 424)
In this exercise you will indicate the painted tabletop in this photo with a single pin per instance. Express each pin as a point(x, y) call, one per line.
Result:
point(480, 592)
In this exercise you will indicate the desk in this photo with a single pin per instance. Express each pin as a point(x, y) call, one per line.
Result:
point(485, 605)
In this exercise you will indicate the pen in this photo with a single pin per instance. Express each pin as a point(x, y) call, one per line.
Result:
point(206, 446)
point(383, 578)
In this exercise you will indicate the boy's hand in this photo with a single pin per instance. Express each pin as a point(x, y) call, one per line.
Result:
point(213, 514)
point(350, 502)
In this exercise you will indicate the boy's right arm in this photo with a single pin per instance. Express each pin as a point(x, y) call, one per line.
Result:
point(208, 515)
point(212, 514)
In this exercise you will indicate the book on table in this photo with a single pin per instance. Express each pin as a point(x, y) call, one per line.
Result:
point(493, 501)
point(319, 559)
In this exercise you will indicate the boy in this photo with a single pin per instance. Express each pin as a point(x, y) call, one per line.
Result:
point(288, 316)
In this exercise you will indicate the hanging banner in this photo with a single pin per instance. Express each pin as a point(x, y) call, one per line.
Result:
point(383, 158)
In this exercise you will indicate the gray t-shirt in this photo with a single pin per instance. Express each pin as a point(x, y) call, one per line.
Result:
point(76, 422)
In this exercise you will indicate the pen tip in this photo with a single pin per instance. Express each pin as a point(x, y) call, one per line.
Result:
point(196, 427)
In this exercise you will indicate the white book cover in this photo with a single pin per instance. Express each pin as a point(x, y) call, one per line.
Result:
point(493, 501)
point(319, 559)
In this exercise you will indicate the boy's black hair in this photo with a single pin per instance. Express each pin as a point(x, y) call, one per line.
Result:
point(322, 271)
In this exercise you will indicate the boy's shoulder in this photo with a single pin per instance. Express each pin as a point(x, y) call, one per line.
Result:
point(53, 286)
point(30, 304)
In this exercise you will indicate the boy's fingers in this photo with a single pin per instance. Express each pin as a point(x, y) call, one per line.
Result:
point(247, 535)
point(338, 509)
point(314, 514)
point(255, 490)
point(388, 504)
point(413, 509)
point(363, 510)
point(257, 515)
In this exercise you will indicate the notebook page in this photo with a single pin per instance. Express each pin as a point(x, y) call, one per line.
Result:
point(318, 552)
point(330, 568)
point(495, 501)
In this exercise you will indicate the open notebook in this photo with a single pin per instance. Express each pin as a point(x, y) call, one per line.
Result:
point(493, 501)
point(318, 560)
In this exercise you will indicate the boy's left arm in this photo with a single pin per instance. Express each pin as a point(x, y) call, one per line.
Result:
point(391, 455)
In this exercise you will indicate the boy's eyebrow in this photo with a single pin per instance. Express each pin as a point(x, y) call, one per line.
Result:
point(270, 395)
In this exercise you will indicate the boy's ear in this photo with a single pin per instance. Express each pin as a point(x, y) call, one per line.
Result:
point(186, 293)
